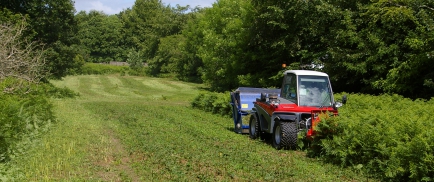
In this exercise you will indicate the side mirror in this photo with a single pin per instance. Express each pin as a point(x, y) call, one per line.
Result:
point(263, 97)
point(337, 105)
point(344, 99)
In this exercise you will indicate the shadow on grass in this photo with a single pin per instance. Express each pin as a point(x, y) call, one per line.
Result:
point(203, 88)
point(265, 137)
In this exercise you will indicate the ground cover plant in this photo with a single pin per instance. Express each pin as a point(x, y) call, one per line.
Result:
point(387, 136)
point(125, 128)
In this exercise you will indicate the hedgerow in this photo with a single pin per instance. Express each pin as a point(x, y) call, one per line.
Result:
point(387, 136)
point(101, 69)
point(217, 103)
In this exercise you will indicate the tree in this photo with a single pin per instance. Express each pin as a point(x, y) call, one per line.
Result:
point(147, 23)
point(285, 32)
point(189, 65)
point(52, 23)
point(167, 55)
point(20, 59)
point(383, 46)
point(141, 23)
point(223, 49)
point(365, 46)
point(100, 36)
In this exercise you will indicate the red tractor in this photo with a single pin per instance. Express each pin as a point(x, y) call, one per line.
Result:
point(303, 97)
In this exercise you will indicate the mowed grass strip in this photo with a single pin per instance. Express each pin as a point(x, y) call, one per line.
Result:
point(78, 148)
point(113, 86)
point(123, 137)
point(177, 143)
point(157, 84)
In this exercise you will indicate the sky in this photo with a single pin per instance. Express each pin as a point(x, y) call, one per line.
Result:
point(116, 6)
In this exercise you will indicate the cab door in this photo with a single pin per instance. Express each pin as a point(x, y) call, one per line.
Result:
point(289, 87)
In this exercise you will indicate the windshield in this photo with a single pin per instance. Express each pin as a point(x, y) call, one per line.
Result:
point(314, 91)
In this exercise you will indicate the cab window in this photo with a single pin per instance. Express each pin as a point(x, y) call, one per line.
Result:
point(289, 88)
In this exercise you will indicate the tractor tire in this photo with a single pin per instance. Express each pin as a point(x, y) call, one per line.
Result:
point(285, 135)
point(254, 127)
point(290, 131)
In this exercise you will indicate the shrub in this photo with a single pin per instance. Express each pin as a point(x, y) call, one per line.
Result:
point(135, 60)
point(24, 113)
point(217, 103)
point(137, 71)
point(102, 69)
point(387, 136)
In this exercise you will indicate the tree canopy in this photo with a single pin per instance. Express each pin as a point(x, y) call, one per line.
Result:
point(379, 46)
point(52, 23)
point(101, 36)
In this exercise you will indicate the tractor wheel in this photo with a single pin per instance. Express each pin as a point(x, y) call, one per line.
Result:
point(277, 135)
point(285, 135)
point(254, 127)
point(290, 131)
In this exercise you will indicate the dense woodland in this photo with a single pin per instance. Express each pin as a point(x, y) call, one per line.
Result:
point(371, 47)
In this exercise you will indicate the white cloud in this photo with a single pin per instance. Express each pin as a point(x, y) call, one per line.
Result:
point(107, 6)
point(97, 5)
point(192, 3)
point(116, 6)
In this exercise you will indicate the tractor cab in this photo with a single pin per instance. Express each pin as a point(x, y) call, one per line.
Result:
point(307, 88)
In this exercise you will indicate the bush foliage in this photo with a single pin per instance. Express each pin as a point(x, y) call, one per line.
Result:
point(387, 136)
point(102, 69)
point(25, 112)
point(217, 103)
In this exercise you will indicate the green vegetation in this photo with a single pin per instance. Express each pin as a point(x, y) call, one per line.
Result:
point(387, 136)
point(127, 128)
point(360, 44)
point(101, 37)
point(25, 110)
point(50, 23)
point(103, 69)
point(370, 47)
point(216, 103)
point(100, 69)
point(141, 129)
point(26, 113)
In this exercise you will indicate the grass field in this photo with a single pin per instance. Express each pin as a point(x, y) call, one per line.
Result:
point(143, 129)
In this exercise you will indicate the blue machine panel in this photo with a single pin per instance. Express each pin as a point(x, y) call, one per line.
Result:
point(242, 103)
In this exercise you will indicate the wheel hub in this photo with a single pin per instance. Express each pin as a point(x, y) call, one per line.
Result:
point(277, 135)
